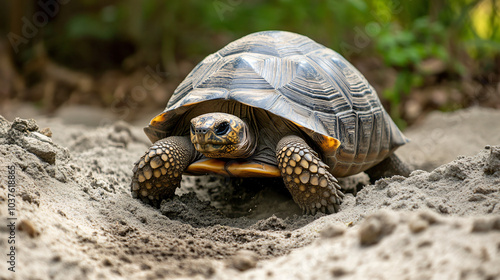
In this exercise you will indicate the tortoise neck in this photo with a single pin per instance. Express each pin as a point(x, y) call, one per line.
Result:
point(248, 145)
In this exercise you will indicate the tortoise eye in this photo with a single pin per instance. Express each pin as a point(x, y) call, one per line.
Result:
point(222, 129)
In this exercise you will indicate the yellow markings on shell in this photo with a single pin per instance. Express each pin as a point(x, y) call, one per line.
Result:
point(163, 171)
point(148, 185)
point(164, 157)
point(296, 180)
point(313, 190)
point(292, 163)
point(304, 163)
point(205, 166)
point(252, 169)
point(289, 170)
point(288, 153)
point(158, 119)
point(298, 170)
point(302, 188)
point(328, 144)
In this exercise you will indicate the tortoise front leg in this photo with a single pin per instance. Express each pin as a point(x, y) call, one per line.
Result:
point(307, 178)
point(159, 172)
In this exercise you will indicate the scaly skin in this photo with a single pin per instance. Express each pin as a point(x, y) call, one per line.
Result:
point(159, 172)
point(307, 178)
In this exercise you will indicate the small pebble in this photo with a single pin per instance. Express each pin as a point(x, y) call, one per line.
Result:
point(29, 228)
point(332, 231)
point(243, 260)
point(46, 131)
point(417, 225)
point(486, 224)
point(376, 227)
point(370, 232)
point(429, 216)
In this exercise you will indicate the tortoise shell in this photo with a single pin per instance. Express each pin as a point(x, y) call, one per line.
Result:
point(295, 78)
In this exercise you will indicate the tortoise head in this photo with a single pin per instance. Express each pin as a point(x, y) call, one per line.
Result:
point(221, 135)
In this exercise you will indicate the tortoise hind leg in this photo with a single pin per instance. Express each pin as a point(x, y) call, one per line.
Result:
point(159, 171)
point(387, 168)
point(307, 178)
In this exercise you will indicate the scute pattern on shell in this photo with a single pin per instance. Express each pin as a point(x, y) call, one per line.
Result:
point(298, 79)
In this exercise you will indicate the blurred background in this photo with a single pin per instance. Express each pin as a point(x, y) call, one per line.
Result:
point(125, 58)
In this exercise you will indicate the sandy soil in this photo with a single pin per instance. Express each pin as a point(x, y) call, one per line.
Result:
point(76, 218)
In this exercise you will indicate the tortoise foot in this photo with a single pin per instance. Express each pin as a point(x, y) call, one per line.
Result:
point(159, 171)
point(307, 178)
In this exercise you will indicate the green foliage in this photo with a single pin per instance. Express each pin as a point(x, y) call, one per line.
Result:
point(404, 34)
point(446, 31)
point(405, 50)
point(411, 30)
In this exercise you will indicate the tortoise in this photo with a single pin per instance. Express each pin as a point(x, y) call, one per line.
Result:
point(271, 104)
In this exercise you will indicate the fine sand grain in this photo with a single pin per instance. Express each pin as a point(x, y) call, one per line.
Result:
point(76, 218)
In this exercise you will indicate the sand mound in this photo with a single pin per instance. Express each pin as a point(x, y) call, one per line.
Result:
point(76, 219)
